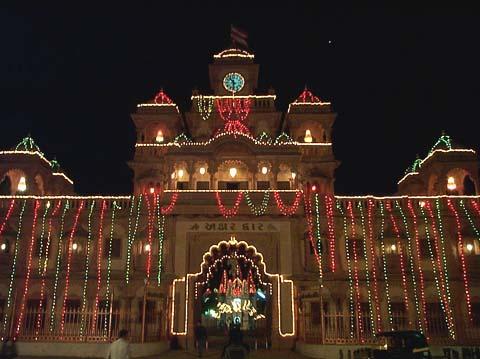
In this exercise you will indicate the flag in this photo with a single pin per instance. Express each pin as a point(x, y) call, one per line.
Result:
point(239, 37)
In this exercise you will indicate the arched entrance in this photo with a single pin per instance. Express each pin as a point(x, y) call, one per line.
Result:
point(233, 289)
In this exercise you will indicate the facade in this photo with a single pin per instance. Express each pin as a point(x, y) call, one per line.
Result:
point(234, 219)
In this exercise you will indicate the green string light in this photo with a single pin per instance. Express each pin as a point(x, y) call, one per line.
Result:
point(412, 268)
point(57, 265)
point(349, 269)
point(367, 267)
point(385, 265)
point(109, 267)
point(161, 237)
point(260, 210)
point(42, 237)
point(318, 235)
point(14, 267)
point(87, 269)
point(132, 232)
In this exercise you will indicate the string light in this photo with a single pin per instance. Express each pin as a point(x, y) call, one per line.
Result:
point(87, 269)
point(229, 212)
point(109, 267)
point(318, 236)
point(440, 291)
point(7, 216)
point(260, 210)
point(169, 208)
point(462, 259)
point(330, 228)
point(234, 111)
point(385, 265)
point(42, 236)
point(205, 106)
point(355, 271)
point(99, 262)
point(150, 224)
point(132, 233)
point(161, 237)
point(69, 265)
point(388, 205)
point(371, 243)
point(410, 259)
point(14, 267)
point(58, 265)
point(284, 209)
point(44, 266)
point(29, 268)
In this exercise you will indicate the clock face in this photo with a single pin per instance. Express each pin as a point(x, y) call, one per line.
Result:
point(233, 82)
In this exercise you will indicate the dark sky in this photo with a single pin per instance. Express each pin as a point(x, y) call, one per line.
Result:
point(71, 76)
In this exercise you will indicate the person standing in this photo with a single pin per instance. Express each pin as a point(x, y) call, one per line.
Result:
point(120, 348)
point(200, 338)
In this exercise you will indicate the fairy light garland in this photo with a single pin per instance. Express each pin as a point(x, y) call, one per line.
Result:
point(355, 271)
point(330, 230)
point(410, 260)
point(229, 212)
point(385, 264)
point(42, 236)
point(440, 291)
point(205, 106)
point(169, 208)
point(87, 270)
point(371, 304)
point(439, 243)
point(466, 285)
point(311, 232)
point(469, 217)
point(150, 224)
point(44, 266)
point(284, 209)
point(57, 266)
point(99, 262)
point(318, 238)
point(371, 243)
point(132, 233)
point(388, 205)
point(161, 237)
point(29, 268)
point(349, 271)
point(260, 210)
point(423, 301)
point(7, 216)
point(109, 268)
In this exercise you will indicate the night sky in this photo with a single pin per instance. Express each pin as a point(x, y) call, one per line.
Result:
point(71, 76)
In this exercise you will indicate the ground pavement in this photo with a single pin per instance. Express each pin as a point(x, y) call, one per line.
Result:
point(180, 354)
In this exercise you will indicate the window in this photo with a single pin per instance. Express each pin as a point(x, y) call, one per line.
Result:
point(233, 185)
point(116, 248)
point(315, 311)
point(203, 185)
point(263, 184)
point(283, 185)
point(182, 185)
point(358, 245)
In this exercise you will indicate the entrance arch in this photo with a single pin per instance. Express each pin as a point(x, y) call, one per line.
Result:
point(186, 292)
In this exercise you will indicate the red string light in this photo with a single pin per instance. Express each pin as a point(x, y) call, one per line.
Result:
point(462, 258)
point(307, 97)
point(310, 231)
point(161, 98)
point(69, 265)
point(7, 216)
point(443, 284)
point(419, 261)
point(29, 268)
point(388, 205)
point(331, 229)
point(355, 271)
point(370, 209)
point(229, 212)
point(234, 112)
point(287, 210)
point(99, 262)
point(45, 265)
point(169, 208)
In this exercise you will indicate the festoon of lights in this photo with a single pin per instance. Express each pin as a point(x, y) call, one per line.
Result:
point(234, 112)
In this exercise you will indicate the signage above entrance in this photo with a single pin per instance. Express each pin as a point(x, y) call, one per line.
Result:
point(232, 226)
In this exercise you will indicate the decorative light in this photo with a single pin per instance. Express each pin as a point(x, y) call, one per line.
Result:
point(385, 264)
point(147, 247)
point(393, 248)
point(87, 270)
point(314, 188)
point(233, 172)
point(202, 170)
point(421, 203)
point(469, 247)
point(74, 246)
point(22, 185)
point(132, 232)
point(3, 247)
point(180, 173)
point(294, 175)
point(229, 212)
point(264, 170)
point(172, 176)
point(159, 137)
point(308, 136)
point(258, 210)
point(152, 190)
point(284, 209)
point(451, 185)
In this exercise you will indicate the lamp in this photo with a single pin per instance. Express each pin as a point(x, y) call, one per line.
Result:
point(159, 137)
point(294, 175)
point(147, 247)
point(233, 172)
point(22, 184)
point(393, 248)
point(451, 185)
point(264, 170)
point(308, 136)
point(180, 173)
point(202, 170)
point(469, 247)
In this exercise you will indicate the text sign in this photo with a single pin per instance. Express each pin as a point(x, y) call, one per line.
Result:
point(232, 227)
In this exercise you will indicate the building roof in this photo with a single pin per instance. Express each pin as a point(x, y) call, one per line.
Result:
point(28, 144)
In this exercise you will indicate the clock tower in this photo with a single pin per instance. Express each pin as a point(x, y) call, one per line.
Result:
point(233, 70)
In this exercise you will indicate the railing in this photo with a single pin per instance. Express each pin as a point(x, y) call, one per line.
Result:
point(88, 326)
